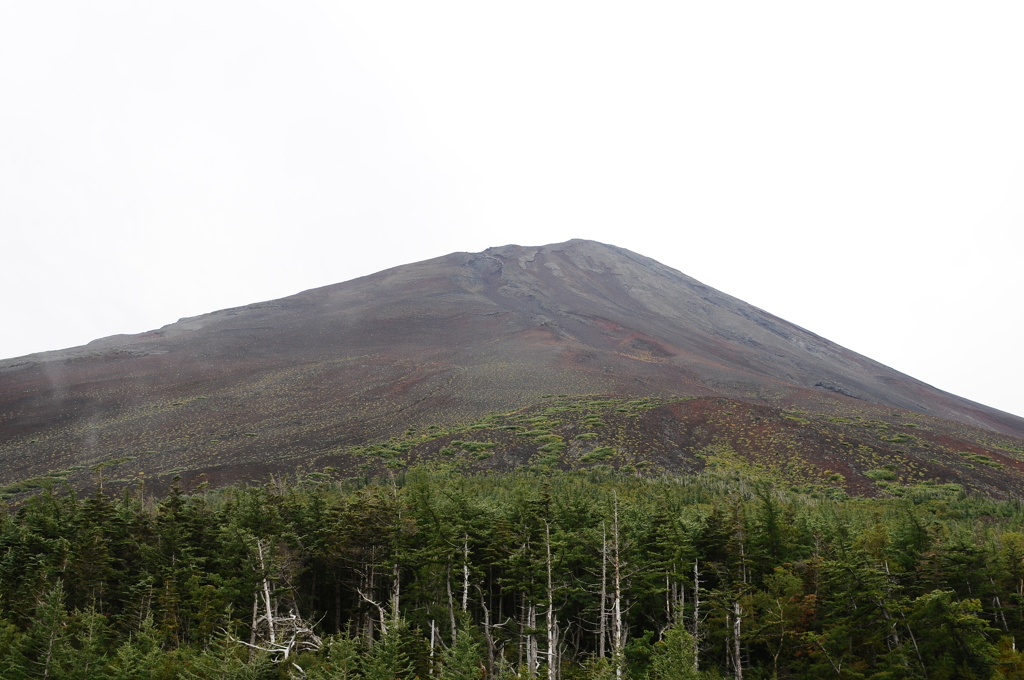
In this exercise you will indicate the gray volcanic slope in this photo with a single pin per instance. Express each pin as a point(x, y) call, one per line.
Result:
point(438, 341)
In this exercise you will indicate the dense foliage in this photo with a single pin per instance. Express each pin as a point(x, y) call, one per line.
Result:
point(433, 573)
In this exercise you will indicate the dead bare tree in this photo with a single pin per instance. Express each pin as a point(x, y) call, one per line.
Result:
point(492, 651)
point(618, 567)
point(551, 615)
point(696, 616)
point(737, 658)
point(602, 626)
point(279, 635)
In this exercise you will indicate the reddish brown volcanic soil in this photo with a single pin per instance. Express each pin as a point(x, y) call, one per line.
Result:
point(243, 391)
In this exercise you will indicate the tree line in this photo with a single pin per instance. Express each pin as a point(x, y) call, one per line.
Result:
point(432, 573)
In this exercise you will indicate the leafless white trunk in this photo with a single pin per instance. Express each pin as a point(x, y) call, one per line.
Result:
point(488, 633)
point(737, 660)
point(696, 616)
point(618, 634)
point(433, 628)
point(380, 611)
point(532, 653)
point(269, 616)
point(552, 618)
point(603, 622)
point(668, 602)
point(451, 601)
point(252, 629)
point(465, 572)
point(283, 634)
point(396, 588)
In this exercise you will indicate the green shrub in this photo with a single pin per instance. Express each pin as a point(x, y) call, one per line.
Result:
point(598, 454)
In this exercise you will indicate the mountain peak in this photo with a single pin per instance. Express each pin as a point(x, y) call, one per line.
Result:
point(439, 341)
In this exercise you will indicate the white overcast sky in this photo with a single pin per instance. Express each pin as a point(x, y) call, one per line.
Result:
point(856, 168)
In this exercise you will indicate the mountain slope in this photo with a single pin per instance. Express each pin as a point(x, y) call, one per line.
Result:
point(256, 388)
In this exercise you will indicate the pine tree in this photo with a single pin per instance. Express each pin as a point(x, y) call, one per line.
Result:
point(139, 657)
point(12, 661)
point(90, 642)
point(341, 660)
point(463, 660)
point(673, 656)
point(48, 647)
point(387, 660)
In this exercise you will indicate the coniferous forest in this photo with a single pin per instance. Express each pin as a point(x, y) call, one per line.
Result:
point(433, 573)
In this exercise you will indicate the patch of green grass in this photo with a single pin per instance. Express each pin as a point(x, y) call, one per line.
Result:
point(43, 481)
point(598, 454)
point(899, 438)
point(983, 459)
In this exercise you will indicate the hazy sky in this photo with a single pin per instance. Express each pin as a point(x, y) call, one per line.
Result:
point(856, 168)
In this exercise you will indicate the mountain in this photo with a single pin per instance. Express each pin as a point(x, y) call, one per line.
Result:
point(241, 392)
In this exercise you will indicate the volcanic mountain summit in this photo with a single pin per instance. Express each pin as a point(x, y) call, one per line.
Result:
point(239, 392)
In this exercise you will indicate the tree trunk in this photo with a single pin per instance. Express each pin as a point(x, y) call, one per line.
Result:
point(451, 602)
point(488, 634)
point(396, 585)
point(255, 616)
point(737, 660)
point(696, 616)
point(668, 605)
point(532, 655)
point(618, 634)
point(602, 625)
point(465, 572)
point(430, 667)
point(266, 592)
point(552, 619)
